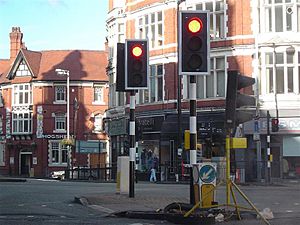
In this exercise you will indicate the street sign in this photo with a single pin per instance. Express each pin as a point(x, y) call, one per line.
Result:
point(239, 143)
point(87, 147)
point(207, 173)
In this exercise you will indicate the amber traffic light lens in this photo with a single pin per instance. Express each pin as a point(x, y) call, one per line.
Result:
point(137, 51)
point(195, 25)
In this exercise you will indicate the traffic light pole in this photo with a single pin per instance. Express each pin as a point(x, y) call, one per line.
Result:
point(268, 148)
point(193, 133)
point(132, 149)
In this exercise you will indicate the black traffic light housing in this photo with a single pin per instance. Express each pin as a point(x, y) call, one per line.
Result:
point(234, 99)
point(194, 43)
point(136, 64)
point(275, 125)
point(120, 80)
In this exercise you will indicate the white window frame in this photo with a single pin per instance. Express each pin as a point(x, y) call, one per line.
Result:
point(60, 91)
point(152, 94)
point(60, 118)
point(217, 10)
point(19, 120)
point(98, 95)
point(288, 9)
point(144, 27)
point(266, 88)
point(98, 123)
point(61, 149)
point(202, 81)
point(20, 91)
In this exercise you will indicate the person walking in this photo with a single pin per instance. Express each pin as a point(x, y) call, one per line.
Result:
point(152, 174)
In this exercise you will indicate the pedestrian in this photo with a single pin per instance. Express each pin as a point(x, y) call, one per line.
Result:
point(152, 174)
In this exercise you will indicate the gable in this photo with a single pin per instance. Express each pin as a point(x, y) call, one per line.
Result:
point(22, 69)
point(19, 68)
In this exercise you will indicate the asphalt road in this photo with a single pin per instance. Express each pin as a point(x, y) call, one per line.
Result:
point(52, 202)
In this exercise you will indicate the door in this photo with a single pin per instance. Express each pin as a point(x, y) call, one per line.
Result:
point(275, 165)
point(25, 164)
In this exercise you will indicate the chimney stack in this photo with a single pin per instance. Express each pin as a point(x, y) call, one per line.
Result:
point(15, 42)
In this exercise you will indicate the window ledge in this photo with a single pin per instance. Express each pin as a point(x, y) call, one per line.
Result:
point(59, 131)
point(57, 164)
point(98, 103)
point(60, 103)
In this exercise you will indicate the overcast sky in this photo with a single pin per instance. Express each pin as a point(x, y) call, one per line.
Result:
point(54, 24)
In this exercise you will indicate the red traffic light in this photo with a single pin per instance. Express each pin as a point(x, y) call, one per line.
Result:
point(194, 25)
point(275, 121)
point(137, 51)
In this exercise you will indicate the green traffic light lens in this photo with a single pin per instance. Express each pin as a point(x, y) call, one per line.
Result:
point(137, 79)
point(195, 61)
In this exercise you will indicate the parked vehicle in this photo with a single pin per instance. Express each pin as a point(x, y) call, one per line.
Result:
point(59, 175)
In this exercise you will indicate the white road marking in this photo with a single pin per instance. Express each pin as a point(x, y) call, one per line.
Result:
point(30, 216)
point(44, 205)
point(289, 211)
point(70, 205)
point(296, 203)
point(276, 203)
point(21, 205)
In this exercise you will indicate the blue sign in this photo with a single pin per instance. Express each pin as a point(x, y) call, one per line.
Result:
point(207, 173)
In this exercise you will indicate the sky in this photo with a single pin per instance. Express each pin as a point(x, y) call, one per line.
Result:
point(54, 24)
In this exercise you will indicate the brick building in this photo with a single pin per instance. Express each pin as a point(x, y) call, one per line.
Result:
point(256, 37)
point(33, 108)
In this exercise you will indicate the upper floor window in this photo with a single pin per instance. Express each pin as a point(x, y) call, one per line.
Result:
point(22, 94)
point(60, 122)
point(151, 26)
point(21, 122)
point(22, 70)
point(280, 72)
point(280, 15)
point(58, 153)
point(155, 92)
point(213, 85)
point(217, 14)
point(98, 123)
point(60, 93)
point(98, 94)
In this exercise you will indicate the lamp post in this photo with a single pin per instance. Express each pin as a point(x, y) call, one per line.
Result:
point(61, 72)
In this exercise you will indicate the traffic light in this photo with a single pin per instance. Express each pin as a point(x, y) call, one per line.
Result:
point(120, 81)
point(234, 99)
point(136, 64)
point(275, 125)
point(194, 43)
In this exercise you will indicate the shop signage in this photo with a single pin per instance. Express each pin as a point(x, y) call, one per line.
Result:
point(117, 127)
point(55, 136)
point(149, 124)
point(87, 147)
